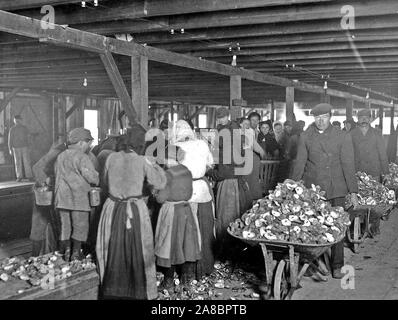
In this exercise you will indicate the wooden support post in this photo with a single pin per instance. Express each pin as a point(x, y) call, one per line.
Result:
point(272, 116)
point(211, 117)
point(392, 116)
point(119, 85)
point(8, 98)
point(290, 104)
point(55, 119)
point(139, 88)
point(381, 117)
point(326, 98)
point(235, 92)
point(61, 119)
point(349, 108)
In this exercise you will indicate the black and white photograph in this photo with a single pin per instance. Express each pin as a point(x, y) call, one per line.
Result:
point(202, 157)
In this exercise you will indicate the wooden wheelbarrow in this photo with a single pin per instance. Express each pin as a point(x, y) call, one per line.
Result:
point(283, 276)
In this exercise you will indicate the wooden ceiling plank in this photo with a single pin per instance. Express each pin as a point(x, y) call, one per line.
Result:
point(149, 8)
point(32, 28)
point(316, 11)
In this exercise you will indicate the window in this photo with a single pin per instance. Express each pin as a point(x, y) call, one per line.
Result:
point(202, 120)
point(91, 123)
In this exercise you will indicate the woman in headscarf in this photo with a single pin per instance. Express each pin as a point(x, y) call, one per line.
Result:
point(233, 193)
point(196, 156)
point(177, 237)
point(125, 253)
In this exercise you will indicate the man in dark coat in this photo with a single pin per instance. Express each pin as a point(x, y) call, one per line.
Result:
point(369, 148)
point(325, 158)
point(370, 155)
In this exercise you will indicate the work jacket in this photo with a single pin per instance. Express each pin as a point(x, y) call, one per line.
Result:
point(326, 159)
point(369, 152)
point(74, 172)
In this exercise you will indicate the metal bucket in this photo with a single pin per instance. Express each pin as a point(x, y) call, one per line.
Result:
point(43, 198)
point(95, 197)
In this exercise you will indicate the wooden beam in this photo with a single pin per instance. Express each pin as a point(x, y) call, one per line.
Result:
point(381, 117)
point(349, 108)
point(290, 104)
point(286, 40)
point(77, 104)
point(119, 85)
point(296, 49)
point(197, 112)
point(235, 93)
point(8, 98)
point(31, 28)
point(139, 87)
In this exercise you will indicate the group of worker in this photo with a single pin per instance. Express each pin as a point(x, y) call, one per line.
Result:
point(158, 210)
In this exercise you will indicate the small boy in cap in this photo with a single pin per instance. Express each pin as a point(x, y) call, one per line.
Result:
point(74, 172)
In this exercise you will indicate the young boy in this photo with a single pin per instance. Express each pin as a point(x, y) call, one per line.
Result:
point(74, 172)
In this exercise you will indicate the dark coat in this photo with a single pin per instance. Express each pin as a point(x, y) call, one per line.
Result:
point(326, 159)
point(370, 152)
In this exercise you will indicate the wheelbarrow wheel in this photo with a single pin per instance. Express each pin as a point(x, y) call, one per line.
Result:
point(281, 285)
point(357, 232)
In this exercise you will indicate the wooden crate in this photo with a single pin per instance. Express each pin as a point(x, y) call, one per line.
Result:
point(80, 286)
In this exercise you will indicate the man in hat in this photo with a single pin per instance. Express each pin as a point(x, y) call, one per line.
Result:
point(369, 148)
point(370, 154)
point(74, 173)
point(324, 158)
point(18, 144)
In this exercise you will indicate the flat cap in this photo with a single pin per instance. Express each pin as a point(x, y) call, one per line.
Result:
point(287, 123)
point(364, 113)
point(79, 134)
point(321, 108)
point(222, 112)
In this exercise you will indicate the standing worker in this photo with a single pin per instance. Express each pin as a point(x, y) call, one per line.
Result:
point(18, 144)
point(370, 156)
point(325, 158)
point(369, 148)
point(74, 172)
point(125, 247)
point(44, 216)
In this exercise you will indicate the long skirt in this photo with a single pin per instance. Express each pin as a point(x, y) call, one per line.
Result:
point(253, 179)
point(177, 237)
point(124, 250)
point(205, 266)
point(233, 199)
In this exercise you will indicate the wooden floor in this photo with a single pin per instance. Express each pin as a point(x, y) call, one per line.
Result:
point(22, 247)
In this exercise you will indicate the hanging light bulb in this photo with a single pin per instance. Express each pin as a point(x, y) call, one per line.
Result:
point(233, 63)
point(83, 4)
point(182, 30)
point(325, 86)
point(85, 82)
point(230, 49)
point(367, 95)
point(95, 3)
point(172, 31)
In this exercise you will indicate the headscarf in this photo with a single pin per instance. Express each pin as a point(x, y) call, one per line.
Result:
point(182, 132)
